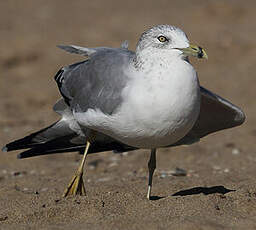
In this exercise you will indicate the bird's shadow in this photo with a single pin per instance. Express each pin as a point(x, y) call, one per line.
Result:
point(205, 190)
point(197, 190)
point(156, 197)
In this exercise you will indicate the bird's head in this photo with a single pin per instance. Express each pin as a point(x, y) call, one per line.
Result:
point(168, 38)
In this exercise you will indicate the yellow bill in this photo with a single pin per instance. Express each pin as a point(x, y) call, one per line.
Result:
point(195, 51)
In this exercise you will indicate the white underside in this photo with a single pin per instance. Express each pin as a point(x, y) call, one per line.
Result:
point(159, 107)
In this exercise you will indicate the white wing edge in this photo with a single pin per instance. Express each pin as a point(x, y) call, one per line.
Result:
point(78, 50)
point(125, 44)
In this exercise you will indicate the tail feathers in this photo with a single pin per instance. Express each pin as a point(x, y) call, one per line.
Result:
point(26, 142)
point(53, 131)
point(62, 145)
point(59, 138)
point(58, 145)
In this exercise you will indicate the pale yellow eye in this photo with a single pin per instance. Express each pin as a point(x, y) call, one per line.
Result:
point(162, 38)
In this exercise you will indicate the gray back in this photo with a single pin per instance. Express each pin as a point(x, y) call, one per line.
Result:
point(96, 83)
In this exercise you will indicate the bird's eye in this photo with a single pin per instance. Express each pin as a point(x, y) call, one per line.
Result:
point(162, 38)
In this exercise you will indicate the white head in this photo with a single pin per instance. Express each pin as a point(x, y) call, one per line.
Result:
point(165, 38)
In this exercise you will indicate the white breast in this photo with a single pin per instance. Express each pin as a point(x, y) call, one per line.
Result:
point(159, 108)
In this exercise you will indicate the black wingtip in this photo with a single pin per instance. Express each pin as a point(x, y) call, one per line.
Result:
point(5, 149)
point(240, 116)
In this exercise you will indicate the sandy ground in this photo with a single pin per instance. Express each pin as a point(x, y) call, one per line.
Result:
point(219, 189)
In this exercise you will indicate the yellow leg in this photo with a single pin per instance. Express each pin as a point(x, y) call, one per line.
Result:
point(76, 185)
point(151, 169)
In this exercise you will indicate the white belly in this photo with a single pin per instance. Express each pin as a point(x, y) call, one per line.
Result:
point(159, 114)
point(156, 112)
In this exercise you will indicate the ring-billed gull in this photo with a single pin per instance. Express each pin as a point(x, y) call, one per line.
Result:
point(122, 100)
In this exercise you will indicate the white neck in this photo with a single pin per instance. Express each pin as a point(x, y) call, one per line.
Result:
point(151, 57)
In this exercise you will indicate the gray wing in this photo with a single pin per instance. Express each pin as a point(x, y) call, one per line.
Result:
point(84, 51)
point(96, 82)
point(216, 114)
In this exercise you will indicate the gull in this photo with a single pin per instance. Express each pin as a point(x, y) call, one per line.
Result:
point(121, 100)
